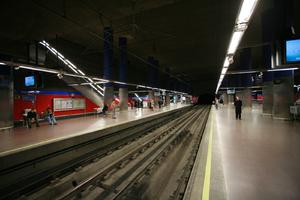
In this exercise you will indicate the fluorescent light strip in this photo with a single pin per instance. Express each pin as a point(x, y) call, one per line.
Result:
point(137, 96)
point(1, 63)
point(246, 11)
point(100, 87)
point(282, 69)
point(226, 62)
point(235, 41)
point(243, 17)
point(68, 63)
point(224, 70)
point(39, 69)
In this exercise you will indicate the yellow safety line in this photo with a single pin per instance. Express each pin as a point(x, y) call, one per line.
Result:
point(206, 186)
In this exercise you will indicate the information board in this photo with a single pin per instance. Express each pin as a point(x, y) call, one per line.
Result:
point(63, 104)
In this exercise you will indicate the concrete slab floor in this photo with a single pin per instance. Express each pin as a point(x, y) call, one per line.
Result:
point(260, 156)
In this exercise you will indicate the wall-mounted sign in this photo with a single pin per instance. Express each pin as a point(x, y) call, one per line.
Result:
point(64, 104)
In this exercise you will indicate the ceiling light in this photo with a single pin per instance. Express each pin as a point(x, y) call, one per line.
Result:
point(137, 96)
point(226, 62)
point(38, 69)
point(1, 63)
point(282, 69)
point(69, 64)
point(235, 41)
point(224, 70)
point(246, 11)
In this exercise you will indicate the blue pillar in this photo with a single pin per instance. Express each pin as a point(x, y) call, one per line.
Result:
point(108, 64)
point(151, 71)
point(156, 73)
point(123, 91)
point(123, 60)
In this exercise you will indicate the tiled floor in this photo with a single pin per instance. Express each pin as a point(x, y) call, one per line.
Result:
point(260, 157)
point(22, 137)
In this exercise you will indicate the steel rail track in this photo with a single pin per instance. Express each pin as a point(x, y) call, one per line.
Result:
point(34, 183)
point(96, 178)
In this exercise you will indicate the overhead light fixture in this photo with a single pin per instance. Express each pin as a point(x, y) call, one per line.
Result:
point(224, 70)
point(246, 11)
point(282, 69)
point(234, 42)
point(242, 21)
point(137, 96)
point(68, 63)
point(38, 69)
point(1, 63)
point(226, 62)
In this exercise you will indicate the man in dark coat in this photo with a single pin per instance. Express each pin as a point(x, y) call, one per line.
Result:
point(32, 117)
point(238, 108)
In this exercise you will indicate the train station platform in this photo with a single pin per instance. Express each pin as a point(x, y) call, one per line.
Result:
point(252, 158)
point(21, 138)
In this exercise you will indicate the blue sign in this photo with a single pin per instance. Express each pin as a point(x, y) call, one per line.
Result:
point(293, 51)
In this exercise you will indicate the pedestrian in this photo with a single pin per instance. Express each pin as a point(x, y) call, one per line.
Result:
point(238, 108)
point(50, 116)
point(104, 109)
point(32, 117)
point(216, 103)
point(113, 106)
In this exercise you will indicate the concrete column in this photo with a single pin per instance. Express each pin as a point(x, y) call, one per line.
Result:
point(246, 97)
point(6, 98)
point(123, 94)
point(151, 97)
point(167, 99)
point(151, 71)
point(267, 92)
point(123, 91)
point(283, 94)
point(224, 96)
point(108, 64)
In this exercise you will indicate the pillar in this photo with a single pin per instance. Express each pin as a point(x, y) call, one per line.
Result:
point(6, 97)
point(245, 63)
point(151, 97)
point(151, 78)
point(246, 97)
point(225, 98)
point(123, 90)
point(283, 94)
point(267, 92)
point(108, 64)
point(167, 99)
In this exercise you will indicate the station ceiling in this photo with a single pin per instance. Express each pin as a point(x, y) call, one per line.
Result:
point(190, 37)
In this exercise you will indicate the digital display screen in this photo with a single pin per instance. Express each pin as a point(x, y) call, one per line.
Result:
point(29, 81)
point(293, 51)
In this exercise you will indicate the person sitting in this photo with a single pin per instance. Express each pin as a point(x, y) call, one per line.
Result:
point(32, 117)
point(50, 116)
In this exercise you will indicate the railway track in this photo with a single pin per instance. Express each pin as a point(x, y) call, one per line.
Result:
point(152, 165)
point(30, 176)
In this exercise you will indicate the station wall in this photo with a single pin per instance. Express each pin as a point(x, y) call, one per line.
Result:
point(41, 100)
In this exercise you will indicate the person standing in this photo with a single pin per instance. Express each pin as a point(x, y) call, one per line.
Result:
point(216, 103)
point(238, 108)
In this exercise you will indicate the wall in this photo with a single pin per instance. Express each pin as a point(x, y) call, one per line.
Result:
point(43, 99)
